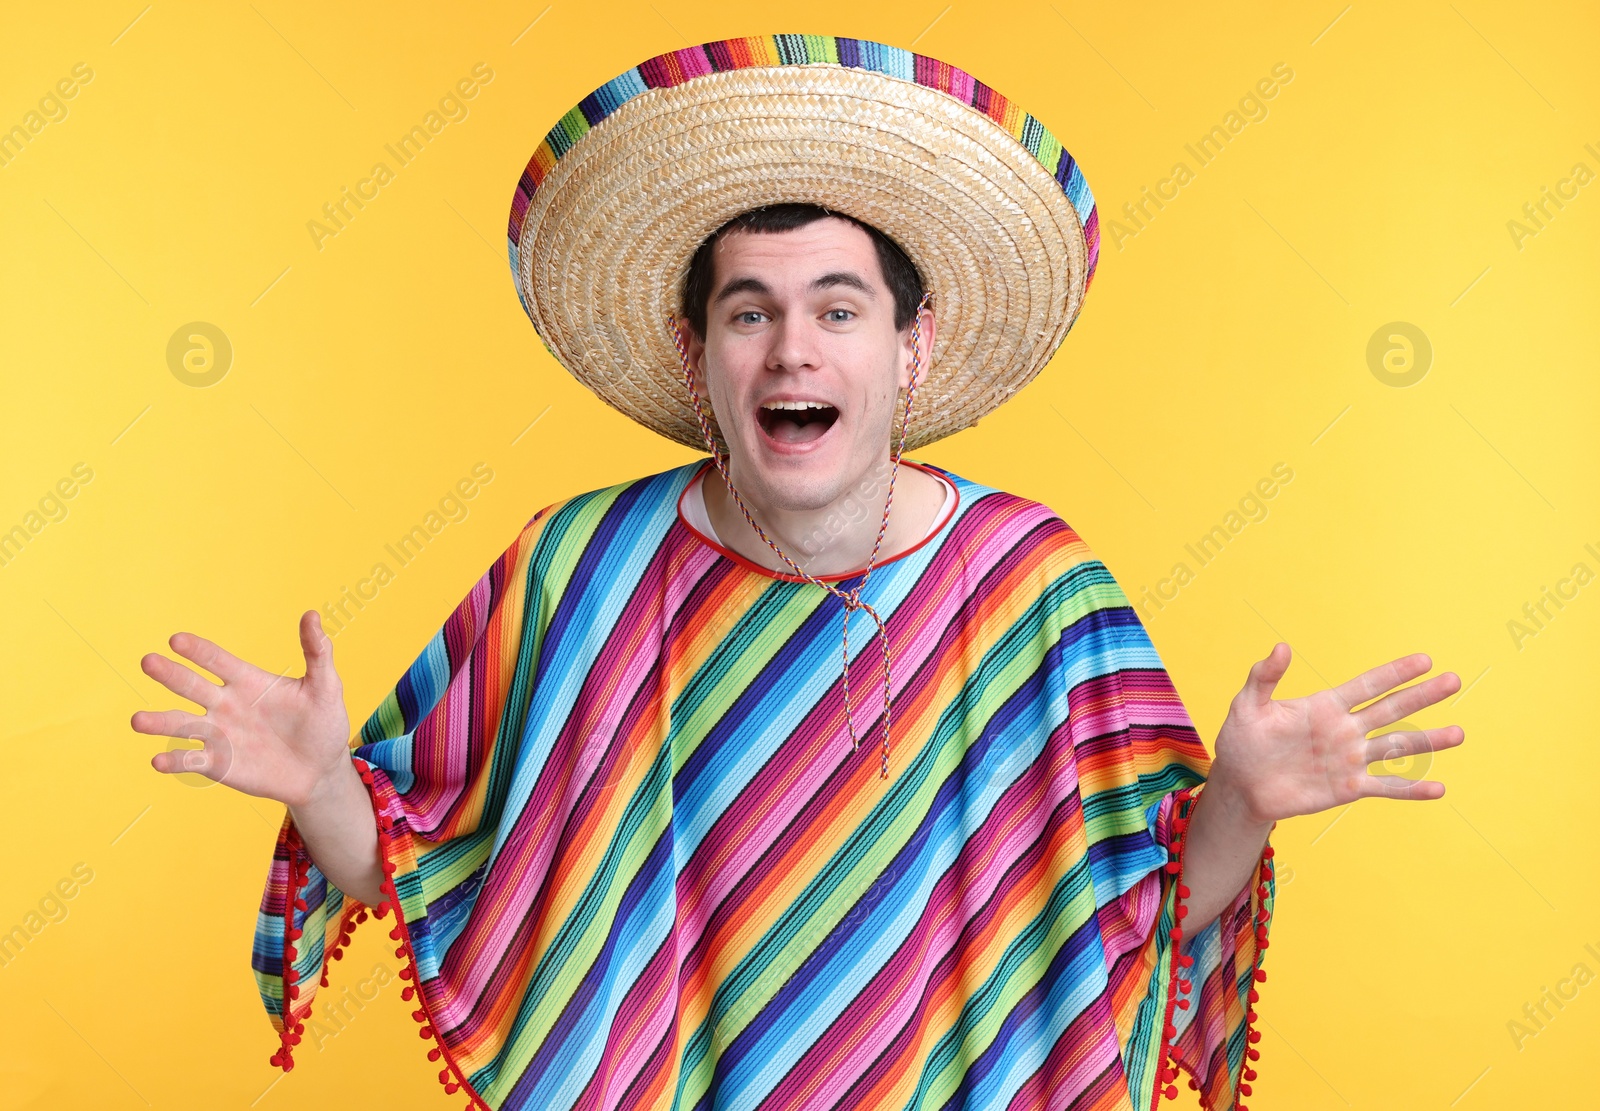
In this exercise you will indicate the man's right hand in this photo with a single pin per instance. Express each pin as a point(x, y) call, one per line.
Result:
point(276, 738)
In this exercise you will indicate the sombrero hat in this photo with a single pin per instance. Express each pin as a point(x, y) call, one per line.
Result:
point(986, 203)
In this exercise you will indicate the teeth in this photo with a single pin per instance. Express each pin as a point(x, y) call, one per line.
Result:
point(795, 405)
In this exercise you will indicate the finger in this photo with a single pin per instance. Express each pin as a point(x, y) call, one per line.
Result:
point(214, 759)
point(1413, 742)
point(180, 680)
point(1264, 674)
point(1384, 677)
point(318, 649)
point(1402, 703)
point(170, 723)
point(1399, 787)
point(196, 729)
point(221, 663)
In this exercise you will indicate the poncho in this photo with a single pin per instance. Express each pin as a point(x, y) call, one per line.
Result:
point(635, 861)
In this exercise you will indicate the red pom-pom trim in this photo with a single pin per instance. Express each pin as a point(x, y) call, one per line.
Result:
point(1176, 983)
point(451, 1076)
point(1172, 1064)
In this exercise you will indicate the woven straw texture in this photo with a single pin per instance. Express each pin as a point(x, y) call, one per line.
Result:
point(987, 205)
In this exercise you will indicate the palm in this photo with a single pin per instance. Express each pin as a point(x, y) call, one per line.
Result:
point(266, 735)
point(1304, 755)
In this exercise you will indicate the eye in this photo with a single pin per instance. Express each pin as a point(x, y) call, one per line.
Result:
point(846, 312)
point(740, 317)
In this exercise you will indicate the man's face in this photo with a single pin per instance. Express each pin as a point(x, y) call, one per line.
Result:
point(802, 362)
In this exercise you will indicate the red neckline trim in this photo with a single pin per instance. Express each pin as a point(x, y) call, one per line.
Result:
point(784, 576)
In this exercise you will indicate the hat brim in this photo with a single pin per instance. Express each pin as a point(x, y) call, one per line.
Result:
point(603, 239)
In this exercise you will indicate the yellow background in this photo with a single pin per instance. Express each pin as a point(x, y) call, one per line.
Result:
point(1228, 335)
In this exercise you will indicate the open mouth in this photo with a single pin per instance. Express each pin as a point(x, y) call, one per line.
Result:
point(796, 422)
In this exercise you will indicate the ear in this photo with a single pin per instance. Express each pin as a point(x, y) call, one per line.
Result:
point(924, 338)
point(695, 348)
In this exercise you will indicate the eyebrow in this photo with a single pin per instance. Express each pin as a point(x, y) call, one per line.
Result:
point(741, 285)
point(826, 281)
point(845, 278)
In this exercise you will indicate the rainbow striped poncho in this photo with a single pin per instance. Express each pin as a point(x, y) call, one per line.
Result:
point(636, 863)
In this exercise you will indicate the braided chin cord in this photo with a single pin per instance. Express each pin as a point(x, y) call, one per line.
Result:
point(850, 598)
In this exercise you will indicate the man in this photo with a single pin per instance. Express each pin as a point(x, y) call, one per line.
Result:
point(639, 853)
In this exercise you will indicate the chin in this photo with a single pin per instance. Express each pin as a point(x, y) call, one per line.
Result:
point(798, 489)
point(790, 484)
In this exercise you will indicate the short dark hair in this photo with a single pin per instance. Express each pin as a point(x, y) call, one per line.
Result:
point(899, 273)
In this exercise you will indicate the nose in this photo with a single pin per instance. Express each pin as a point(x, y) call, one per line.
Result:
point(793, 344)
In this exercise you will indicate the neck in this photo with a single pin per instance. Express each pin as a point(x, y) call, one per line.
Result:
point(835, 538)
